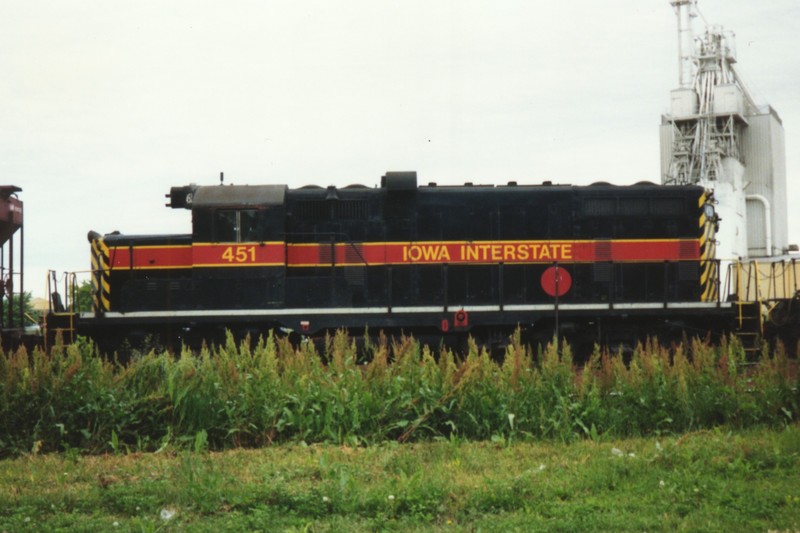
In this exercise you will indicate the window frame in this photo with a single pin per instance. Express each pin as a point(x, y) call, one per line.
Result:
point(237, 220)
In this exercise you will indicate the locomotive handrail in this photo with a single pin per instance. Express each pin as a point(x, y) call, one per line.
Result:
point(788, 278)
point(764, 281)
point(53, 296)
point(762, 286)
point(749, 281)
point(70, 279)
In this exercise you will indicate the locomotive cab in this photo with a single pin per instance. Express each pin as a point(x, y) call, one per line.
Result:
point(238, 225)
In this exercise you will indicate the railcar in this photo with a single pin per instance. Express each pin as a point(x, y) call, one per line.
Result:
point(599, 263)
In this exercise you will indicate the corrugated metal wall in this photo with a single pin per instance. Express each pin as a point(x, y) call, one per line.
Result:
point(763, 150)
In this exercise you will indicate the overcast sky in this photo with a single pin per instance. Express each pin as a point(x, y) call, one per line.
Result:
point(106, 105)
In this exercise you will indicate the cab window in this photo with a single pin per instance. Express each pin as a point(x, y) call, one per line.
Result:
point(236, 225)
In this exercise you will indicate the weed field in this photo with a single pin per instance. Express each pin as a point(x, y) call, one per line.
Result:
point(256, 394)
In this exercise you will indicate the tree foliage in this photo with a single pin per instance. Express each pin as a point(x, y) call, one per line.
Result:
point(83, 297)
point(31, 316)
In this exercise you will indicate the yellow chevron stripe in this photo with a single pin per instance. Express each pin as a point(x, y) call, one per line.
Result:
point(714, 294)
point(100, 276)
point(707, 253)
point(709, 292)
point(709, 233)
point(707, 296)
point(708, 277)
point(704, 275)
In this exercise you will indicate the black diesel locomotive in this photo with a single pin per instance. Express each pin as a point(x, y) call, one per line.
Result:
point(596, 263)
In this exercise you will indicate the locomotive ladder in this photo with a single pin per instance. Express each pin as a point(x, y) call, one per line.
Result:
point(750, 319)
point(750, 327)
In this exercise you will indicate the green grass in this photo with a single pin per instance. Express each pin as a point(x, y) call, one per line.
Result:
point(710, 480)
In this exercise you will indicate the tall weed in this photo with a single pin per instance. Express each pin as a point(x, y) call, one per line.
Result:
point(258, 392)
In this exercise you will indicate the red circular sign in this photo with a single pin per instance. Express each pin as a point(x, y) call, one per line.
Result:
point(556, 281)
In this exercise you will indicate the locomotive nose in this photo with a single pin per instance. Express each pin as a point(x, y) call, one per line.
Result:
point(92, 236)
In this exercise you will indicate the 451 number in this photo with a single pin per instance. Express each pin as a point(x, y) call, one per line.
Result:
point(239, 254)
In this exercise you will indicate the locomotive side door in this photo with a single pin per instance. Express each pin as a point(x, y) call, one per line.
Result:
point(272, 245)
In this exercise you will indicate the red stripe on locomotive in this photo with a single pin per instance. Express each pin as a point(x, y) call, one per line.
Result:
point(322, 255)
